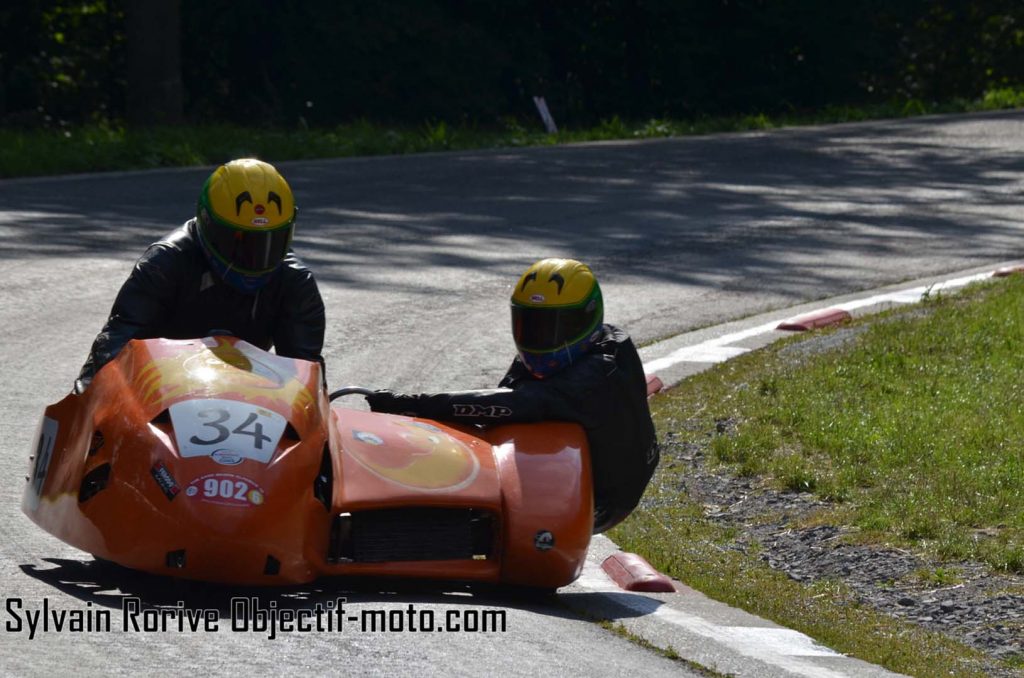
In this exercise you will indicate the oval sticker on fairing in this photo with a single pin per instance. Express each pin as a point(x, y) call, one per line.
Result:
point(204, 428)
point(226, 457)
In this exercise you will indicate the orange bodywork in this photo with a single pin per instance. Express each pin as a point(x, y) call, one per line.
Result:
point(210, 459)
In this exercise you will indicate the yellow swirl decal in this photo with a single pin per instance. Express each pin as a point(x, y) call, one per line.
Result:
point(415, 455)
point(232, 371)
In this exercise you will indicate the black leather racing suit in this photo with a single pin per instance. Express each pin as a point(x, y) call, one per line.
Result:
point(173, 293)
point(605, 392)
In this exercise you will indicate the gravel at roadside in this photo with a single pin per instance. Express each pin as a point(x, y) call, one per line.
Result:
point(972, 603)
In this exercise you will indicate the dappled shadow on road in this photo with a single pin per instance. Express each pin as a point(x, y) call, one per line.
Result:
point(96, 215)
point(109, 585)
point(714, 211)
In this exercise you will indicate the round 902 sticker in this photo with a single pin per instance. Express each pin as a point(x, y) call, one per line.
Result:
point(226, 489)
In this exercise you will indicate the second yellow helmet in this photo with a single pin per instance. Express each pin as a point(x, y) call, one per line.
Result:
point(557, 313)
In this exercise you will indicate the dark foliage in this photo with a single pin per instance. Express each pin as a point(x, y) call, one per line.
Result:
point(321, 62)
point(60, 62)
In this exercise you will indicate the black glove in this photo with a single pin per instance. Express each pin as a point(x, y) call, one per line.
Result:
point(394, 403)
point(380, 401)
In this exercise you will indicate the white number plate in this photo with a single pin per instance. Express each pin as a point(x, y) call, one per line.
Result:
point(226, 429)
point(41, 465)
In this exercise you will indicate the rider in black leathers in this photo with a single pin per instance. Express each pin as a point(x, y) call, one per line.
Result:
point(230, 270)
point(597, 381)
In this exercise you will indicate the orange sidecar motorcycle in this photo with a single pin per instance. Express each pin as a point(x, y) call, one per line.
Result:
point(211, 459)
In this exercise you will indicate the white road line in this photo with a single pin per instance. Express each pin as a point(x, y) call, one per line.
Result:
point(777, 646)
point(707, 352)
point(709, 348)
point(719, 349)
point(913, 294)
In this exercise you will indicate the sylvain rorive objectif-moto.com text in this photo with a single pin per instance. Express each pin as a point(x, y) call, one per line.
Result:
point(244, 615)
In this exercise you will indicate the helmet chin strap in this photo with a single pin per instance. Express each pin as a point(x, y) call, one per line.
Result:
point(231, 265)
point(231, 259)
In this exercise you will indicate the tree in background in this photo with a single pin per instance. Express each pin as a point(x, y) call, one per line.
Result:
point(323, 62)
point(60, 62)
point(153, 92)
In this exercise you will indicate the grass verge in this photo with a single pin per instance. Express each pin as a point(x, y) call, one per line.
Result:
point(106, 147)
point(681, 542)
point(910, 425)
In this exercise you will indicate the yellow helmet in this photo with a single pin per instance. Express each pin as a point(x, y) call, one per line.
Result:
point(557, 312)
point(246, 217)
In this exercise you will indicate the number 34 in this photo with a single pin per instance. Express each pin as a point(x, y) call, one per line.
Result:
point(220, 422)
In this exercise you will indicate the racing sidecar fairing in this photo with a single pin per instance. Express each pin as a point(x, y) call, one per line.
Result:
point(211, 459)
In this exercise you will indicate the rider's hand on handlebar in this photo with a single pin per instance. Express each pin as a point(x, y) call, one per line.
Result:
point(395, 403)
point(381, 401)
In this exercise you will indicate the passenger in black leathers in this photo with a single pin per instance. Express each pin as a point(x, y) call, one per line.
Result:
point(195, 281)
point(597, 381)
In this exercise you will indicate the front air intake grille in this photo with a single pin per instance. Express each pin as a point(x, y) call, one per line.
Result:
point(406, 534)
point(94, 482)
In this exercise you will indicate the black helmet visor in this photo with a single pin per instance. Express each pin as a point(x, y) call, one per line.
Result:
point(545, 329)
point(248, 251)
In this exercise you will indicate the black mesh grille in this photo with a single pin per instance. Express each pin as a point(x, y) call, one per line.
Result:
point(412, 534)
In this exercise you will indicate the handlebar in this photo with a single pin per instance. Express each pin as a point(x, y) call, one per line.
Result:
point(350, 390)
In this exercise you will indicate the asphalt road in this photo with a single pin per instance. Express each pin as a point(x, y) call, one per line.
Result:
point(416, 257)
